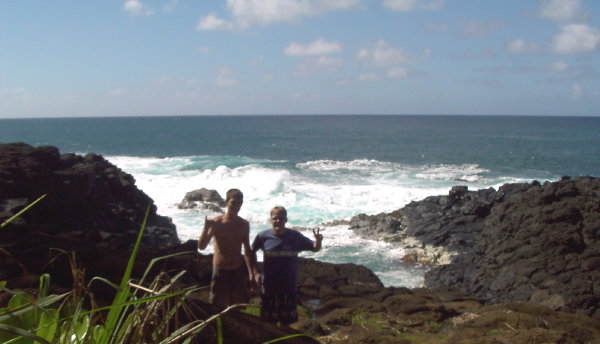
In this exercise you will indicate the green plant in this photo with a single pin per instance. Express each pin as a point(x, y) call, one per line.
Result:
point(366, 319)
point(30, 318)
point(137, 314)
point(62, 318)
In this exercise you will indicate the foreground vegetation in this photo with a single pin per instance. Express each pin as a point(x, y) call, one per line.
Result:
point(155, 311)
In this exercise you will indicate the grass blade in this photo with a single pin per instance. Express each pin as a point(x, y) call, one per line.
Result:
point(219, 331)
point(287, 337)
point(22, 211)
point(157, 259)
point(24, 308)
point(48, 324)
point(20, 332)
point(123, 294)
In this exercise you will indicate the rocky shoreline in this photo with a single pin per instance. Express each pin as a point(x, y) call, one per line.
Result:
point(516, 265)
point(525, 242)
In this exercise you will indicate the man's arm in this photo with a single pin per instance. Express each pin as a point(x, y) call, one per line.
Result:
point(207, 233)
point(250, 258)
point(318, 240)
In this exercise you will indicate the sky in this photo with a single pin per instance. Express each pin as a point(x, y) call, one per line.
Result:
point(236, 57)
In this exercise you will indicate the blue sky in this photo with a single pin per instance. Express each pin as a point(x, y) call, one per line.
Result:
point(209, 57)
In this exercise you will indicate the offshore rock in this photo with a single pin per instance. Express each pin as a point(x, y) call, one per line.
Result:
point(203, 199)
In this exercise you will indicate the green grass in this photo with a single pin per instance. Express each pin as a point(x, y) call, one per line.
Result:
point(63, 319)
point(373, 320)
point(252, 310)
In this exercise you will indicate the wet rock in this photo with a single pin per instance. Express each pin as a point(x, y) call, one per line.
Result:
point(537, 244)
point(203, 199)
point(525, 242)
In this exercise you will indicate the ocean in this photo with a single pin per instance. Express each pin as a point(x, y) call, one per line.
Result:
point(324, 168)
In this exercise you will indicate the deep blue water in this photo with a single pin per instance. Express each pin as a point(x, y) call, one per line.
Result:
point(514, 145)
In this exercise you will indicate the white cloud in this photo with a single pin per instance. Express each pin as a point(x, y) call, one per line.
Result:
point(558, 66)
point(203, 50)
point(519, 46)
point(576, 91)
point(316, 56)
point(137, 8)
point(318, 47)
point(368, 77)
point(162, 80)
point(383, 55)
point(225, 81)
point(16, 90)
point(248, 13)
point(257, 61)
point(411, 5)
point(561, 10)
point(212, 22)
point(117, 91)
point(314, 65)
point(576, 38)
point(397, 72)
point(224, 70)
point(170, 6)
point(15, 95)
point(328, 62)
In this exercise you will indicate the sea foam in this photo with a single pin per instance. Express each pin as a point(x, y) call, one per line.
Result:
point(314, 192)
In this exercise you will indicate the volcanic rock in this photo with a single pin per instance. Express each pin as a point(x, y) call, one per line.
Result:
point(203, 199)
point(539, 245)
point(525, 242)
point(90, 206)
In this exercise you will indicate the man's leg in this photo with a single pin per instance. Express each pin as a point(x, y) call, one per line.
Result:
point(219, 288)
point(288, 312)
point(239, 286)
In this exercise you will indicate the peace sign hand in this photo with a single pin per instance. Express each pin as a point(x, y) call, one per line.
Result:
point(318, 237)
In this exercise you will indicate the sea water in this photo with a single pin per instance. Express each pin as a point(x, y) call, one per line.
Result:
point(324, 168)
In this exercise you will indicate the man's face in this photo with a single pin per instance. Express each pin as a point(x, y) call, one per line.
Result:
point(278, 219)
point(234, 203)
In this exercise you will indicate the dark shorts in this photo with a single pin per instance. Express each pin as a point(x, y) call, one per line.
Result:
point(279, 307)
point(229, 287)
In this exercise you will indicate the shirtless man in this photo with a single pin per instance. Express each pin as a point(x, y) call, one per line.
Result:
point(229, 279)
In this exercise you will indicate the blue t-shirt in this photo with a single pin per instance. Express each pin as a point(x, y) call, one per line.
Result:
point(280, 263)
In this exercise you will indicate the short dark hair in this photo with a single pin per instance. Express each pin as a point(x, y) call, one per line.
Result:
point(279, 209)
point(233, 192)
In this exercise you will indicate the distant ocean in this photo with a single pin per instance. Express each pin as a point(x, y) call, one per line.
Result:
point(324, 168)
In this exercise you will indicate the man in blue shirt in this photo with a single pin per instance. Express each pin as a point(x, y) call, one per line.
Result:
point(280, 245)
